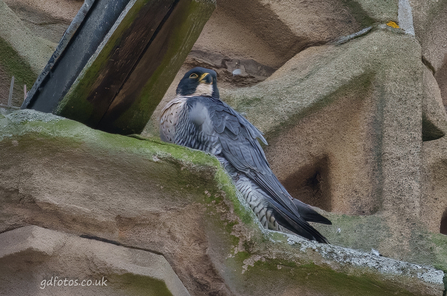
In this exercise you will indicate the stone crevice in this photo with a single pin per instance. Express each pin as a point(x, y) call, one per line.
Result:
point(105, 240)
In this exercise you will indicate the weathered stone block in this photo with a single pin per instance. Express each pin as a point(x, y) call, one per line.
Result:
point(381, 11)
point(345, 127)
point(59, 174)
point(430, 23)
point(46, 19)
point(63, 10)
point(35, 51)
point(49, 262)
point(22, 55)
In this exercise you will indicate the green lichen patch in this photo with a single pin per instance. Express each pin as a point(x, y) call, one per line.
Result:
point(37, 126)
point(378, 10)
point(133, 97)
point(311, 279)
point(359, 13)
point(440, 242)
point(183, 28)
point(13, 65)
point(295, 91)
point(75, 103)
point(133, 284)
point(250, 260)
point(182, 171)
point(423, 250)
point(223, 183)
point(356, 232)
point(359, 86)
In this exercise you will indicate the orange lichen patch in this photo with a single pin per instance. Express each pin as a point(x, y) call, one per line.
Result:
point(392, 25)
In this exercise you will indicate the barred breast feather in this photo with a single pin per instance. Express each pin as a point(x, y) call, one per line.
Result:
point(169, 118)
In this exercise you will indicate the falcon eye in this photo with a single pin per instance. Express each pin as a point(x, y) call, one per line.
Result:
point(194, 76)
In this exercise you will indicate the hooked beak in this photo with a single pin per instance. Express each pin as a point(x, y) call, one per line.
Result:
point(202, 78)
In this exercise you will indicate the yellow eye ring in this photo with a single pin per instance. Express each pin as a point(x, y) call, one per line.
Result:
point(193, 76)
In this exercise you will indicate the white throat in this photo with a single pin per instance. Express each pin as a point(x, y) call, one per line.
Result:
point(203, 90)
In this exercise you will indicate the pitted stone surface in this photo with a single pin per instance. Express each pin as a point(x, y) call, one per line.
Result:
point(383, 265)
point(61, 175)
point(48, 254)
point(145, 195)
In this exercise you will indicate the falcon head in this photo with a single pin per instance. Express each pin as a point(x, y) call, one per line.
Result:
point(198, 82)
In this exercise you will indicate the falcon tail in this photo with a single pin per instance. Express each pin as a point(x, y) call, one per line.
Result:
point(297, 225)
point(309, 214)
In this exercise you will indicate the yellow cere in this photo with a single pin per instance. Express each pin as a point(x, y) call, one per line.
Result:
point(203, 76)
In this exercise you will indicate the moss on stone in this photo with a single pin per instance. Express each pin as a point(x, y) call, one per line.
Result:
point(357, 232)
point(221, 179)
point(190, 22)
point(14, 65)
point(367, 11)
point(440, 242)
point(359, 13)
point(435, 9)
point(314, 279)
point(250, 258)
point(75, 103)
point(366, 232)
point(360, 86)
point(138, 285)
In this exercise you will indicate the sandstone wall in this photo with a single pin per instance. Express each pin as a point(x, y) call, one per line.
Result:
point(351, 96)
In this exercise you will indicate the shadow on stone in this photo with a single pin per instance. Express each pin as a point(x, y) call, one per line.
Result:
point(443, 228)
point(311, 184)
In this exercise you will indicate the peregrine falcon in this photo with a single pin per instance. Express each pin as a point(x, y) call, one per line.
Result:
point(198, 119)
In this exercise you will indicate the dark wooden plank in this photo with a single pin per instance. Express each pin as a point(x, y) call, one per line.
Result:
point(149, 80)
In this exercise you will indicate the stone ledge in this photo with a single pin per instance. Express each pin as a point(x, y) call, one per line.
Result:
point(383, 265)
point(59, 174)
point(116, 263)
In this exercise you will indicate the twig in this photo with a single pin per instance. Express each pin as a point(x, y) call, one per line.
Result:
point(8, 107)
point(345, 39)
point(11, 88)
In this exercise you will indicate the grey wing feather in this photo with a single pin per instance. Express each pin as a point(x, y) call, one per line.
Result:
point(236, 138)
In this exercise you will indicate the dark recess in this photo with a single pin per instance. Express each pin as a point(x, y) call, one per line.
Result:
point(443, 228)
point(311, 185)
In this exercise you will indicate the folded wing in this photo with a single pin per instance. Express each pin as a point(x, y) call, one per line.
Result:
point(237, 140)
